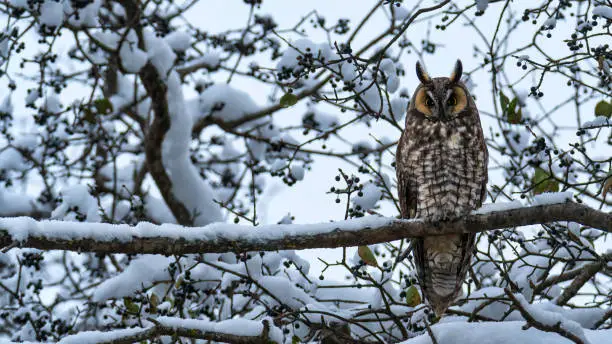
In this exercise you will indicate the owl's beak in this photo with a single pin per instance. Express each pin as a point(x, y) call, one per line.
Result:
point(445, 116)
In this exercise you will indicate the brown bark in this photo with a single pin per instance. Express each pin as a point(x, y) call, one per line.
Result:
point(336, 234)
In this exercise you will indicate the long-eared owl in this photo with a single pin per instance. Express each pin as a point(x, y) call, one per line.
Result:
point(441, 166)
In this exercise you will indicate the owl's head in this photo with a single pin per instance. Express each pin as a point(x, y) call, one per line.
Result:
point(440, 99)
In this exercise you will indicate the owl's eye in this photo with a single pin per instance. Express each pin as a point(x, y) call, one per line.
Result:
point(429, 102)
point(452, 101)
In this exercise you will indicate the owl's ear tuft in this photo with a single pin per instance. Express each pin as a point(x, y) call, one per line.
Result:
point(422, 74)
point(456, 74)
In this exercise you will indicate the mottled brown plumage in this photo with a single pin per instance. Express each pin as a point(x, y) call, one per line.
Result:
point(441, 166)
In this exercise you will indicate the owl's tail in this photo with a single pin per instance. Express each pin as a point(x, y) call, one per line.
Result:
point(442, 264)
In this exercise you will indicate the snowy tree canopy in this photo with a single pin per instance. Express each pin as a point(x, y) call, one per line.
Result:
point(165, 164)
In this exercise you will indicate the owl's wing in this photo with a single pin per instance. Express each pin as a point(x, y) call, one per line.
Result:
point(405, 191)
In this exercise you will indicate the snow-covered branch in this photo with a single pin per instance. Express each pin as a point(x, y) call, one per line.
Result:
point(147, 238)
point(228, 331)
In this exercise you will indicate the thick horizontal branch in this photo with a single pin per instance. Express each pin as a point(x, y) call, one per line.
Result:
point(235, 331)
point(220, 237)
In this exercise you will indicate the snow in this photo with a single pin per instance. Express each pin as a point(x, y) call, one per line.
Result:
point(315, 118)
point(388, 67)
point(239, 327)
point(77, 196)
point(393, 84)
point(371, 195)
point(132, 58)
point(285, 290)
point(603, 11)
point(118, 10)
point(4, 48)
point(504, 332)
point(21, 228)
point(286, 220)
point(209, 60)
point(160, 54)
point(550, 23)
point(11, 159)
point(500, 206)
point(399, 106)
point(19, 3)
point(401, 13)
point(141, 273)
point(95, 337)
point(33, 94)
point(178, 40)
point(599, 121)
point(553, 198)
point(549, 318)
point(158, 210)
point(545, 198)
point(301, 46)
point(297, 172)
point(51, 13)
point(187, 184)
point(52, 104)
point(482, 5)
point(87, 16)
point(12, 203)
point(225, 102)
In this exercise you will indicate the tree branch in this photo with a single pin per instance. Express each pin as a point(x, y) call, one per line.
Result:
point(586, 273)
point(157, 91)
point(220, 237)
point(187, 328)
point(532, 321)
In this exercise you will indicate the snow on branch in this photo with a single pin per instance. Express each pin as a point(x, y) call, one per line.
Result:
point(147, 238)
point(227, 331)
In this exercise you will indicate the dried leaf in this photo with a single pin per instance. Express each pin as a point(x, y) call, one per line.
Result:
point(154, 302)
point(606, 186)
point(367, 256)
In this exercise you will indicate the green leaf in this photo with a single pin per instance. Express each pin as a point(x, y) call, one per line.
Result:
point(89, 116)
point(603, 108)
point(288, 100)
point(295, 340)
point(511, 111)
point(103, 106)
point(513, 116)
point(367, 256)
point(542, 182)
point(413, 298)
point(513, 103)
point(130, 306)
point(503, 100)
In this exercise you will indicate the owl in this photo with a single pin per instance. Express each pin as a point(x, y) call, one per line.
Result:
point(441, 166)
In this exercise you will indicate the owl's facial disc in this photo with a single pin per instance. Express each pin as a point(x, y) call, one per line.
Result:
point(441, 104)
point(425, 103)
point(456, 101)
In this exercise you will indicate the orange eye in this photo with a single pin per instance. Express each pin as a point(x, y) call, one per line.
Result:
point(452, 101)
point(429, 102)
